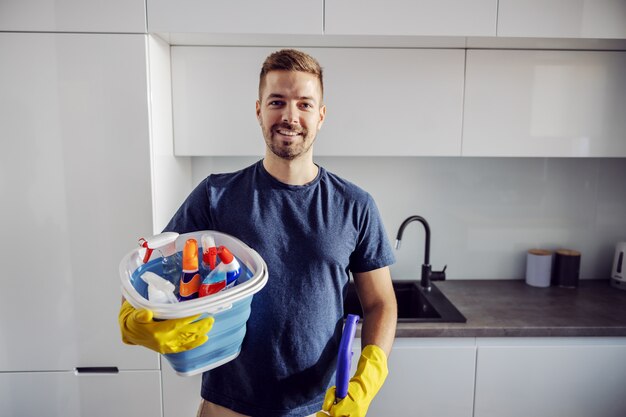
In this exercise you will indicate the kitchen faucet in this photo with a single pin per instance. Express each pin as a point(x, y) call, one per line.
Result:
point(428, 275)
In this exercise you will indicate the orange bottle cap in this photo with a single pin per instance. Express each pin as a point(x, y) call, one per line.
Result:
point(190, 255)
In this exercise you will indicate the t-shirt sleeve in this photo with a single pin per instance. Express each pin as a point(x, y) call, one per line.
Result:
point(373, 249)
point(194, 214)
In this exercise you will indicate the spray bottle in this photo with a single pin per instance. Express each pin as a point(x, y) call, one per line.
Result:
point(160, 290)
point(224, 276)
point(165, 243)
point(190, 278)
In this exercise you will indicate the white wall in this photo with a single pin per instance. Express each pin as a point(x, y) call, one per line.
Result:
point(485, 213)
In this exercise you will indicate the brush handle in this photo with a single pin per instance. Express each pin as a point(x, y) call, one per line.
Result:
point(345, 356)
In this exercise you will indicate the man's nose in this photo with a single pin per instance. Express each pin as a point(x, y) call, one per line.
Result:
point(291, 114)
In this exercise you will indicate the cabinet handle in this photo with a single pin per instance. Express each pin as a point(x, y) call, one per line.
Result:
point(96, 370)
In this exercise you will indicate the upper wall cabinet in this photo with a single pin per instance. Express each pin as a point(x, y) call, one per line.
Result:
point(391, 102)
point(379, 101)
point(562, 18)
point(73, 16)
point(545, 103)
point(237, 16)
point(214, 90)
point(411, 17)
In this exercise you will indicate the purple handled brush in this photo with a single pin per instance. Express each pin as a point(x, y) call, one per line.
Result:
point(345, 356)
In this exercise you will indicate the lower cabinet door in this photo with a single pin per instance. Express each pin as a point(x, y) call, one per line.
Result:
point(181, 394)
point(67, 394)
point(431, 377)
point(551, 377)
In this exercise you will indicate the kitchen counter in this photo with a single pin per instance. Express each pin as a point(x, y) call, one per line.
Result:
point(511, 308)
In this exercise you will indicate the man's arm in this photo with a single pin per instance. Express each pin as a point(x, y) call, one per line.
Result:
point(377, 333)
point(380, 309)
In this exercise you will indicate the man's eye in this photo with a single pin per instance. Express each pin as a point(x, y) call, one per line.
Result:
point(275, 103)
point(306, 105)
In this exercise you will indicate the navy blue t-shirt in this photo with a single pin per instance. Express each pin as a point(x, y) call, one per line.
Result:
point(310, 236)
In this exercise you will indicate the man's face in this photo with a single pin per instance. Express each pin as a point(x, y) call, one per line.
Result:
point(290, 112)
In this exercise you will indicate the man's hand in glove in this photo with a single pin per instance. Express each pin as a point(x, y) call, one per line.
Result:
point(166, 336)
point(367, 380)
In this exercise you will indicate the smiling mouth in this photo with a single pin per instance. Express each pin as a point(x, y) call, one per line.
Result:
point(289, 133)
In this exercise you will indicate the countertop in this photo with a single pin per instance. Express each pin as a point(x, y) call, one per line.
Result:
point(511, 308)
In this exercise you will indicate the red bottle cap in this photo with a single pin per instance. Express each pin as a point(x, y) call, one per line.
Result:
point(209, 257)
point(225, 254)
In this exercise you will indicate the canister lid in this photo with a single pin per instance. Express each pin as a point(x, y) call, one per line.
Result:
point(540, 252)
point(567, 252)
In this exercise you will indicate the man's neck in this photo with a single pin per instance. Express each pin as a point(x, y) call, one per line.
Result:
point(299, 171)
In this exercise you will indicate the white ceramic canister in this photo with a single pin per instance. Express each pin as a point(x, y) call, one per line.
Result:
point(538, 267)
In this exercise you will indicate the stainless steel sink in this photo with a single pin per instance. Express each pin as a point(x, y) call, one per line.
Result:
point(415, 305)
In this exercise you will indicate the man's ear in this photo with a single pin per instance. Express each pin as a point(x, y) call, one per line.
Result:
point(258, 111)
point(322, 116)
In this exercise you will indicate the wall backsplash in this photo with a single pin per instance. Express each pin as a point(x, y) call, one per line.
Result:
point(485, 213)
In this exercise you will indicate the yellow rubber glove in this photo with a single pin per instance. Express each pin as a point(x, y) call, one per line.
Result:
point(370, 375)
point(166, 336)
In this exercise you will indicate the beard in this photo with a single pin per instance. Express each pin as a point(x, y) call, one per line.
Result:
point(288, 149)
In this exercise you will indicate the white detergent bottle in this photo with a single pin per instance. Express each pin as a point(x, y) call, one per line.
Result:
point(160, 290)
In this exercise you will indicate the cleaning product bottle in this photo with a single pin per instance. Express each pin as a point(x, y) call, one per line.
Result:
point(223, 276)
point(209, 253)
point(230, 265)
point(190, 278)
point(165, 243)
point(214, 282)
point(160, 290)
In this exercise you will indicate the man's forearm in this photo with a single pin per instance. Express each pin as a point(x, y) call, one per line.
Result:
point(380, 309)
point(379, 326)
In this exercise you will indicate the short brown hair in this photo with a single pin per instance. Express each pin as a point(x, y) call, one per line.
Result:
point(291, 60)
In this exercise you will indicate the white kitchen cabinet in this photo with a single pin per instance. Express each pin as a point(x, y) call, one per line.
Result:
point(411, 17)
point(551, 377)
point(379, 102)
point(562, 18)
point(76, 195)
point(427, 377)
point(73, 16)
point(67, 394)
point(214, 90)
point(237, 16)
point(181, 394)
point(391, 102)
point(545, 103)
